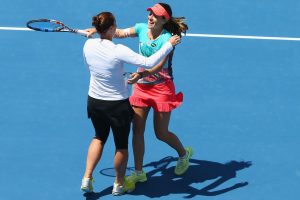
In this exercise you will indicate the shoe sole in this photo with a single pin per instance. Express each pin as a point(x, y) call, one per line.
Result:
point(142, 180)
point(86, 190)
point(128, 191)
point(121, 193)
point(117, 194)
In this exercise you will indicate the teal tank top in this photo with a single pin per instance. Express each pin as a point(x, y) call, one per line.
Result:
point(148, 47)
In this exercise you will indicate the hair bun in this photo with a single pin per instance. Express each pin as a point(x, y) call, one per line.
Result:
point(103, 21)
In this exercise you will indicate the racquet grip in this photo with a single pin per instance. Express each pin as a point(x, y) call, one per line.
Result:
point(82, 32)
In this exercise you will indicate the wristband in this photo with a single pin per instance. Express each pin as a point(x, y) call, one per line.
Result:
point(126, 32)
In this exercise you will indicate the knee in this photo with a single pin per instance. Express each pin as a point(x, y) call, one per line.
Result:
point(100, 140)
point(160, 135)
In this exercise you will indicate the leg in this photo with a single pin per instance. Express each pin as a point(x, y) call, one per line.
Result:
point(120, 164)
point(138, 129)
point(121, 119)
point(121, 123)
point(96, 146)
point(121, 134)
point(121, 184)
point(161, 125)
point(93, 157)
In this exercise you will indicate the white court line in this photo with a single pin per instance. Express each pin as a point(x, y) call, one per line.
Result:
point(14, 29)
point(243, 37)
point(194, 35)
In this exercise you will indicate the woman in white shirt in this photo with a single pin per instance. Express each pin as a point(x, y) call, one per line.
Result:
point(108, 105)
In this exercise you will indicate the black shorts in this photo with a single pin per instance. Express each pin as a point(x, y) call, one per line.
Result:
point(115, 115)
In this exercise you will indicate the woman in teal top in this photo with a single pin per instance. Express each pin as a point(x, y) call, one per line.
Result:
point(155, 88)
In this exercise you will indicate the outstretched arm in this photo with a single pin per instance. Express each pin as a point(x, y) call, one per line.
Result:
point(120, 33)
point(123, 33)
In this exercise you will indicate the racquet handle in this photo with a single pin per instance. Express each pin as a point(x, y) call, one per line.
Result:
point(82, 32)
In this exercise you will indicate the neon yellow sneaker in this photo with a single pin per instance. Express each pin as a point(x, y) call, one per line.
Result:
point(128, 187)
point(183, 163)
point(134, 177)
point(87, 185)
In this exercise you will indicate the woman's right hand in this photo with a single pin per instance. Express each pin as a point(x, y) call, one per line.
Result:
point(134, 77)
point(91, 32)
point(174, 40)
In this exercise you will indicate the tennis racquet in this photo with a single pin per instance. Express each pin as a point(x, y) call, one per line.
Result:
point(49, 25)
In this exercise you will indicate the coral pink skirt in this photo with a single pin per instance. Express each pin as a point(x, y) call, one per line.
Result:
point(161, 97)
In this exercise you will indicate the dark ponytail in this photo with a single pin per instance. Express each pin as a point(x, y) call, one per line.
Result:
point(176, 25)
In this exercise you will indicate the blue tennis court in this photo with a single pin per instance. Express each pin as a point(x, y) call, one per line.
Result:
point(241, 110)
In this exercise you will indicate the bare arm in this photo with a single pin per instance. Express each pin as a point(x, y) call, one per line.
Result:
point(120, 33)
point(156, 68)
point(136, 76)
point(123, 33)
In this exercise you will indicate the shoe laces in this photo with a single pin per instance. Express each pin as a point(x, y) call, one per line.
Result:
point(134, 173)
point(180, 162)
point(87, 181)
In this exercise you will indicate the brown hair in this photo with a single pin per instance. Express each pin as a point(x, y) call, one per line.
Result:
point(103, 21)
point(175, 25)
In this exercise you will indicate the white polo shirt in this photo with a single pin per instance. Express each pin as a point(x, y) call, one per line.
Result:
point(105, 61)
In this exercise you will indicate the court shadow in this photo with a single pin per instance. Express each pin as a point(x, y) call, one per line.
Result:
point(97, 195)
point(162, 181)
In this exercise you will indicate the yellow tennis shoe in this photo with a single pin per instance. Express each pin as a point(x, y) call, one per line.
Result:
point(183, 163)
point(137, 177)
point(128, 187)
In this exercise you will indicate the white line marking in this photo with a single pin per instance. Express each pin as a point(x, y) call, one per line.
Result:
point(243, 37)
point(195, 35)
point(14, 29)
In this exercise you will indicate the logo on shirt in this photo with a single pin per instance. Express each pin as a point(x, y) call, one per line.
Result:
point(153, 45)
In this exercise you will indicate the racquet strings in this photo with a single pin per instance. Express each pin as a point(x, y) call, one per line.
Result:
point(46, 26)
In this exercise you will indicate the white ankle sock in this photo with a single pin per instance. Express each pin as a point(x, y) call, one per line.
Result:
point(183, 157)
point(138, 172)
